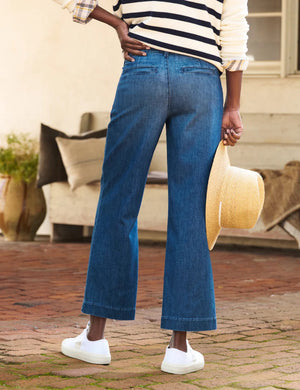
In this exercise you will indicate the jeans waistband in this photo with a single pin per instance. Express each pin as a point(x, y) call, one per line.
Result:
point(178, 58)
point(162, 52)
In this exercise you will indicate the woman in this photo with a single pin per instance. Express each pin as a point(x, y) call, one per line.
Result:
point(174, 53)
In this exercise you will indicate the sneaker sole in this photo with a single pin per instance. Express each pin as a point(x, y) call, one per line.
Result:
point(177, 369)
point(85, 356)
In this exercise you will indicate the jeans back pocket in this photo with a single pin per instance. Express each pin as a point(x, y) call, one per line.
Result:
point(140, 66)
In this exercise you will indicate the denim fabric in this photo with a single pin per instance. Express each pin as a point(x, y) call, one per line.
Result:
point(185, 93)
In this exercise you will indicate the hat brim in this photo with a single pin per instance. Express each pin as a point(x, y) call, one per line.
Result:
point(217, 174)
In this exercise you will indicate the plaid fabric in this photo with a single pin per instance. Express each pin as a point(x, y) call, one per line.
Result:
point(83, 9)
point(235, 65)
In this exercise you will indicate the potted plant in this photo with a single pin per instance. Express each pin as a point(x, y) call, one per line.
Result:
point(22, 204)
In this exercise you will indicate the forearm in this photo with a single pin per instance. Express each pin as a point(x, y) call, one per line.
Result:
point(233, 86)
point(106, 17)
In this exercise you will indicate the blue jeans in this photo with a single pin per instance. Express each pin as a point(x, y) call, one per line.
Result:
point(185, 93)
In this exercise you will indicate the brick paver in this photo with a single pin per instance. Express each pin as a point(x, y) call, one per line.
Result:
point(256, 345)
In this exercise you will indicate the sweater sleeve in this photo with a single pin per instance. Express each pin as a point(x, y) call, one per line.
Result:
point(233, 35)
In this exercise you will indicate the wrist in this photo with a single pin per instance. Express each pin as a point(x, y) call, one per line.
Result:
point(117, 23)
point(231, 106)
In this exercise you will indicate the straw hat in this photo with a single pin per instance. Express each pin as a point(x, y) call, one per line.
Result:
point(234, 199)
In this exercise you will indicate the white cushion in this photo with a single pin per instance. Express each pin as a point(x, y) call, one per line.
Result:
point(82, 159)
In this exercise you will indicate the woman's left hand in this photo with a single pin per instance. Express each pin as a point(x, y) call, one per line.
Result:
point(128, 44)
point(232, 126)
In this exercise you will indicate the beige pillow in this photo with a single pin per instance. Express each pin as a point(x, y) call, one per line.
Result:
point(82, 159)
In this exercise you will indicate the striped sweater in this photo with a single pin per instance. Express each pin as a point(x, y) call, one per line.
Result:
point(213, 30)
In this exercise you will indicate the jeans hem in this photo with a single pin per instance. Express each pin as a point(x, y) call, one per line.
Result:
point(108, 312)
point(188, 324)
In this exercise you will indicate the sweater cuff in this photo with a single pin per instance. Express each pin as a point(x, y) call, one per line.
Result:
point(83, 9)
point(234, 65)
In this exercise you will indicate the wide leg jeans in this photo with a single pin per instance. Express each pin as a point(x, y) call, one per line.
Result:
point(185, 93)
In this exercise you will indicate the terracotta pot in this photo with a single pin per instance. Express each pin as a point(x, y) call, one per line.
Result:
point(22, 209)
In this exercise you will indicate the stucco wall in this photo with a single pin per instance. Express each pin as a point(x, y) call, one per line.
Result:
point(52, 70)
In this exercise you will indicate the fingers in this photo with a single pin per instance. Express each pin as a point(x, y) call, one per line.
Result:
point(127, 56)
point(126, 41)
point(130, 46)
point(134, 47)
point(133, 52)
point(231, 136)
point(135, 43)
point(136, 52)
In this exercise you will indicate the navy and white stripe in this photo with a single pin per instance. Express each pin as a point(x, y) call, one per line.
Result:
point(213, 30)
point(182, 26)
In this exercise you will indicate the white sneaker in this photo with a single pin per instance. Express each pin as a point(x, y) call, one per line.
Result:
point(81, 348)
point(179, 362)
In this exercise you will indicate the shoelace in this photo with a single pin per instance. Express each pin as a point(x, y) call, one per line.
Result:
point(79, 338)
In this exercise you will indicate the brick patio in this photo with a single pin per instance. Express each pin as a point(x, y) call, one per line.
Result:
point(256, 346)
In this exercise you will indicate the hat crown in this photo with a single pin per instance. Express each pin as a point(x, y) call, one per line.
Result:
point(241, 198)
point(235, 196)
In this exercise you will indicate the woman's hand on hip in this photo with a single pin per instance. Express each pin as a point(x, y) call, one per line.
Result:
point(232, 126)
point(129, 45)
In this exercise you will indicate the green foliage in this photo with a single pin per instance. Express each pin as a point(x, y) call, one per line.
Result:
point(19, 159)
